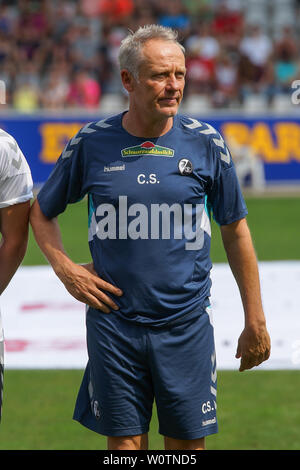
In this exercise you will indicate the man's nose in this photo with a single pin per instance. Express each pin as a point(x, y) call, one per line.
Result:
point(173, 83)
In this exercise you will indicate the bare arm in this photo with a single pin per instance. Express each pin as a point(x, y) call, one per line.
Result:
point(81, 281)
point(254, 342)
point(14, 229)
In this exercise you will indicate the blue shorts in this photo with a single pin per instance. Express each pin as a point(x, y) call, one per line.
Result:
point(132, 364)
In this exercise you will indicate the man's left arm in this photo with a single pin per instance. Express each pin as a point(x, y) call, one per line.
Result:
point(254, 342)
point(14, 222)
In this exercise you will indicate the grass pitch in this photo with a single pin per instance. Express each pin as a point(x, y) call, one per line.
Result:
point(256, 409)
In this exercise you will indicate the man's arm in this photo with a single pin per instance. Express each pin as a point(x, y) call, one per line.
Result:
point(254, 342)
point(14, 229)
point(81, 281)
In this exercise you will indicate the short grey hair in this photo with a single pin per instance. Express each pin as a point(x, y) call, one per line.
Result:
point(130, 53)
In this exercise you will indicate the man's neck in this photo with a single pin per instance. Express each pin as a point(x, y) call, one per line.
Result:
point(140, 126)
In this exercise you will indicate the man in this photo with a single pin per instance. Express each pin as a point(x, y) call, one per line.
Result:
point(151, 176)
point(15, 195)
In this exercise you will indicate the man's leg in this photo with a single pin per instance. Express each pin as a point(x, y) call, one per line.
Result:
point(116, 394)
point(139, 442)
point(183, 367)
point(188, 444)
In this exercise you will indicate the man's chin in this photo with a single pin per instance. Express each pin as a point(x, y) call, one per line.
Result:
point(169, 111)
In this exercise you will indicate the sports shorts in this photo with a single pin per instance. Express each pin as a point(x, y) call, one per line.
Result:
point(130, 365)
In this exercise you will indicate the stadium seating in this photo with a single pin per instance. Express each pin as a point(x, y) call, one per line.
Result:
point(54, 38)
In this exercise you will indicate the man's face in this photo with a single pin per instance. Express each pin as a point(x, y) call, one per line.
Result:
point(159, 89)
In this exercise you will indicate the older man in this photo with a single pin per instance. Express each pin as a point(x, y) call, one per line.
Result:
point(15, 195)
point(152, 178)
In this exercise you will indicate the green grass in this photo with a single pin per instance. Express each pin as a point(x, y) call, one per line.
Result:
point(257, 410)
point(275, 228)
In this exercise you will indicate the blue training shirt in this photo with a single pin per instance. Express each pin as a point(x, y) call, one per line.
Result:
point(150, 202)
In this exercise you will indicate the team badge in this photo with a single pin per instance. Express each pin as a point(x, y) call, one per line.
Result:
point(185, 166)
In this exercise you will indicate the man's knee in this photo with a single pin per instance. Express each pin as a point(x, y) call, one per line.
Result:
point(184, 444)
point(139, 442)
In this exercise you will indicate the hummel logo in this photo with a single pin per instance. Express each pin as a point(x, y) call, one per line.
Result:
point(114, 168)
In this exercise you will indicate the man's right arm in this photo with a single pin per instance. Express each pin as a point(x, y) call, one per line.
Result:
point(254, 343)
point(81, 281)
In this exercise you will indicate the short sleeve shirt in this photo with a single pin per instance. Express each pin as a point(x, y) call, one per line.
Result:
point(15, 176)
point(150, 203)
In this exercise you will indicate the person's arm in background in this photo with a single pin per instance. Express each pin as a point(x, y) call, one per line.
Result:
point(254, 342)
point(14, 229)
point(81, 281)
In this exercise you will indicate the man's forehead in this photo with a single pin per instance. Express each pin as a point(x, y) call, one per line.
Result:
point(160, 48)
point(159, 52)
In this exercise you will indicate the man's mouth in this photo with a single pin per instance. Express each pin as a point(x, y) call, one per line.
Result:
point(169, 101)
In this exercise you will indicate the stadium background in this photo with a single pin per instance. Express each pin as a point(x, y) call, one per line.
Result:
point(58, 62)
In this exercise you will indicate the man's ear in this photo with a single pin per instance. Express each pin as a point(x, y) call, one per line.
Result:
point(127, 80)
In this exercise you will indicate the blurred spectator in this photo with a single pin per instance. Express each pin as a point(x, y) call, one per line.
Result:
point(173, 15)
point(28, 75)
point(286, 60)
point(116, 11)
point(62, 15)
point(6, 47)
point(90, 8)
point(144, 13)
point(228, 24)
point(44, 46)
point(84, 91)
point(255, 64)
point(7, 18)
point(26, 98)
point(55, 90)
point(105, 72)
point(199, 71)
point(286, 41)
point(202, 48)
point(200, 10)
point(84, 47)
point(257, 47)
point(7, 75)
point(225, 83)
point(112, 37)
point(32, 26)
point(286, 70)
point(201, 37)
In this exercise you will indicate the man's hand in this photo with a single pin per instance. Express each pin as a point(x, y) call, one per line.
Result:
point(254, 347)
point(83, 283)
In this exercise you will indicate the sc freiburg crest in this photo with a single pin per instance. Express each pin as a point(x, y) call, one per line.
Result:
point(185, 166)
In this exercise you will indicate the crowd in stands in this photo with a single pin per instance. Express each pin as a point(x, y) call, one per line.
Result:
point(62, 54)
